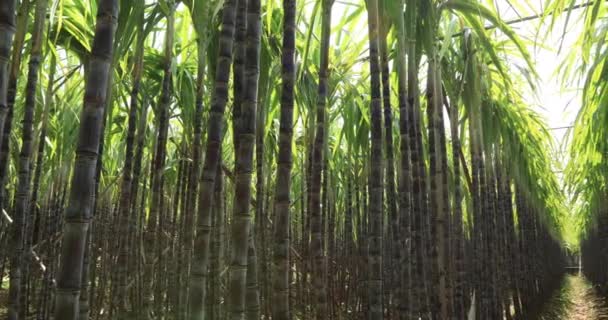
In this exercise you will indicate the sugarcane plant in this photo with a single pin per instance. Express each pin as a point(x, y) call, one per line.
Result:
point(249, 159)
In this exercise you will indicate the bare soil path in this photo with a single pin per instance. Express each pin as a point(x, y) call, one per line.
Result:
point(577, 300)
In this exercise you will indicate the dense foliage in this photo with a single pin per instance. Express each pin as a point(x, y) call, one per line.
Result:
point(208, 159)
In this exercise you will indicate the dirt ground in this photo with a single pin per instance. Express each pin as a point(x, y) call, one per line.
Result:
point(586, 304)
point(577, 300)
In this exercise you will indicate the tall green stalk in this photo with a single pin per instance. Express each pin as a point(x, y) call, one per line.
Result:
point(437, 173)
point(316, 221)
point(458, 253)
point(78, 212)
point(11, 92)
point(125, 200)
point(280, 298)
point(376, 171)
point(7, 30)
point(200, 259)
point(195, 171)
point(20, 234)
point(156, 218)
point(241, 223)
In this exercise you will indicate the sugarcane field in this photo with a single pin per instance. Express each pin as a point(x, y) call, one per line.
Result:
point(304, 160)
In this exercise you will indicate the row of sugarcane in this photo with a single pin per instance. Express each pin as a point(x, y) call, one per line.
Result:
point(585, 174)
point(410, 227)
point(593, 257)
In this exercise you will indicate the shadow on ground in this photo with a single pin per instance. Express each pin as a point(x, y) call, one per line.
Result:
point(576, 299)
